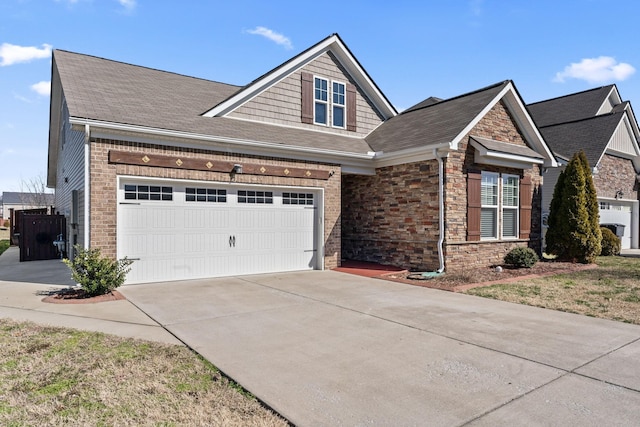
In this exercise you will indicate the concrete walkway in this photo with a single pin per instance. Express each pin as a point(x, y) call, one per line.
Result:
point(328, 348)
point(23, 285)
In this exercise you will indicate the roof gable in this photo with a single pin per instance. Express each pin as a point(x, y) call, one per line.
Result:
point(575, 106)
point(343, 55)
point(446, 123)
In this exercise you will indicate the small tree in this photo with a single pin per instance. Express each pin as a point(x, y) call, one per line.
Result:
point(574, 230)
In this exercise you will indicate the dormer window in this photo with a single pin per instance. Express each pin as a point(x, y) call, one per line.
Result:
point(328, 103)
point(338, 105)
point(321, 94)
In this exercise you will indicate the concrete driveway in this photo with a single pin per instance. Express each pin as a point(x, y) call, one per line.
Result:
point(328, 348)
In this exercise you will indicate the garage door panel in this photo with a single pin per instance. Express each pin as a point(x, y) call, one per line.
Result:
point(183, 239)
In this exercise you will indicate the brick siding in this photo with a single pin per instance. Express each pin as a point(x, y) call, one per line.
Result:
point(104, 188)
point(392, 217)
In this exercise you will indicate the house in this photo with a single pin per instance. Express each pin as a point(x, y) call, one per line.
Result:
point(598, 122)
point(306, 165)
point(24, 200)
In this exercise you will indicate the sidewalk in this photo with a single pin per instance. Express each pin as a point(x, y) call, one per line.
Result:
point(23, 285)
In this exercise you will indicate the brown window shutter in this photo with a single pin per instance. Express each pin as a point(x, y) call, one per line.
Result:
point(525, 207)
point(307, 98)
point(351, 107)
point(474, 205)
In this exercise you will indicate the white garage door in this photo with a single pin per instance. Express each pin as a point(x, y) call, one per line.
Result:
point(178, 231)
point(618, 213)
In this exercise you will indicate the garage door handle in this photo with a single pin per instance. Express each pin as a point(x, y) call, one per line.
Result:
point(232, 241)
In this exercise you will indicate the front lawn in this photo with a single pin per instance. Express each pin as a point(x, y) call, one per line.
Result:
point(54, 376)
point(611, 291)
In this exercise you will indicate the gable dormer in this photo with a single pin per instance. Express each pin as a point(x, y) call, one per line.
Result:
point(610, 102)
point(324, 89)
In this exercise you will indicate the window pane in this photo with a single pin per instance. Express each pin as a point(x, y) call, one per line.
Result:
point(489, 190)
point(510, 223)
point(488, 223)
point(321, 89)
point(321, 113)
point(338, 93)
point(338, 116)
point(510, 187)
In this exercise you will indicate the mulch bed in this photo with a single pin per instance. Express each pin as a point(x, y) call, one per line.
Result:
point(473, 278)
point(79, 296)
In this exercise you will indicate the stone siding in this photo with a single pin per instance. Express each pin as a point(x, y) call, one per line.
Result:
point(392, 217)
point(104, 188)
point(614, 174)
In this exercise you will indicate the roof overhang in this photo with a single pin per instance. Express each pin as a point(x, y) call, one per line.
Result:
point(509, 95)
point(357, 163)
point(490, 152)
point(332, 43)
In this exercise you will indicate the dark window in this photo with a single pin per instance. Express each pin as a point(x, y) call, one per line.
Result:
point(146, 192)
point(297, 199)
point(206, 195)
point(257, 197)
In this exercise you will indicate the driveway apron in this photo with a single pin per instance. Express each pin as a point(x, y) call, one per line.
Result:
point(328, 348)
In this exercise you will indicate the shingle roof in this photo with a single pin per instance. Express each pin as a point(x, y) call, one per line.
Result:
point(590, 135)
point(432, 123)
point(504, 147)
point(111, 91)
point(18, 198)
point(569, 108)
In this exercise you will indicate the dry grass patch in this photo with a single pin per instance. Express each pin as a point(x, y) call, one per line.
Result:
point(612, 291)
point(54, 376)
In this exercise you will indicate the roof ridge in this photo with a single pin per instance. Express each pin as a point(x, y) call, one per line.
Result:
point(584, 119)
point(143, 67)
point(572, 94)
point(504, 82)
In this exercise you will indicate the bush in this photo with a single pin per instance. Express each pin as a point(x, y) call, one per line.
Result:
point(521, 257)
point(610, 242)
point(96, 274)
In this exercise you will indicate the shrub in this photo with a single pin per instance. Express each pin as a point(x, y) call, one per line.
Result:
point(521, 257)
point(96, 274)
point(610, 243)
point(574, 231)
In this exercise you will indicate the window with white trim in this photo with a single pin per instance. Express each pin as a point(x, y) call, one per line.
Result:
point(339, 102)
point(321, 96)
point(297, 198)
point(330, 103)
point(500, 199)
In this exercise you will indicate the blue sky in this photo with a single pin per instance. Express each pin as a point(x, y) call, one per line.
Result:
point(412, 49)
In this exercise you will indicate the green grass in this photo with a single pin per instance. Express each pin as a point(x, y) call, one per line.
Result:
point(4, 245)
point(611, 291)
point(56, 376)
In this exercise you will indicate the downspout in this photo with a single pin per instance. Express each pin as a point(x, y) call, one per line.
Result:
point(440, 206)
point(87, 186)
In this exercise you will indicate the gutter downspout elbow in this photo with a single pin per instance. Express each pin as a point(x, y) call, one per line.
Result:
point(441, 212)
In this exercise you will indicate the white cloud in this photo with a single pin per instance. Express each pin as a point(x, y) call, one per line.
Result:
point(12, 54)
point(129, 5)
point(22, 98)
point(42, 88)
point(596, 70)
point(273, 36)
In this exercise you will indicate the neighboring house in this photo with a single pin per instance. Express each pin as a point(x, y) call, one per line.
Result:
point(23, 200)
point(306, 165)
point(598, 122)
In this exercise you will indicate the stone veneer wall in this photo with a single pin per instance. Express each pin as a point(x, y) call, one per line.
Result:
point(392, 217)
point(104, 188)
point(498, 125)
point(616, 173)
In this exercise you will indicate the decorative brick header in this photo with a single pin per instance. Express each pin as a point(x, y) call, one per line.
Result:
point(204, 164)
